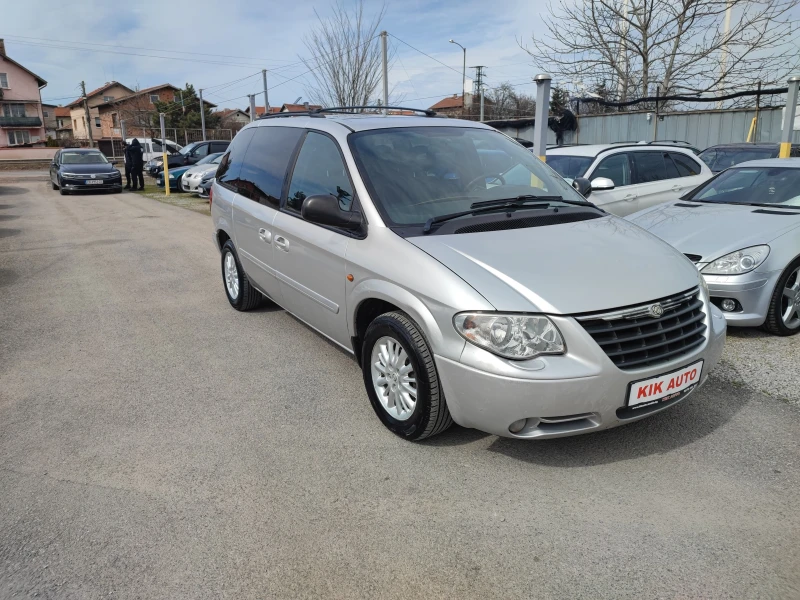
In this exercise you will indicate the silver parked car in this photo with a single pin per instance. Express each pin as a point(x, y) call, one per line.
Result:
point(470, 281)
point(742, 230)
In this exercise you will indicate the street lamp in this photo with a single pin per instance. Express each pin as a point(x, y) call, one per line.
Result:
point(463, 73)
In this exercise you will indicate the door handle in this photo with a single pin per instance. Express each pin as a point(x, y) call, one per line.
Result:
point(676, 188)
point(282, 243)
point(266, 236)
point(630, 197)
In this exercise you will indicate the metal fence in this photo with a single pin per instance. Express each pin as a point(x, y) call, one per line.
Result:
point(183, 137)
point(701, 128)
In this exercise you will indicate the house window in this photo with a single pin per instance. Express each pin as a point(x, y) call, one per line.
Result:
point(108, 98)
point(46, 114)
point(97, 122)
point(75, 123)
point(13, 110)
point(154, 98)
point(16, 138)
point(114, 120)
point(3, 80)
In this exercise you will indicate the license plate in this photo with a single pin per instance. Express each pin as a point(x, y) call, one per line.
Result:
point(93, 182)
point(664, 388)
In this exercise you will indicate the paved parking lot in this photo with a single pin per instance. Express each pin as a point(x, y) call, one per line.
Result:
point(154, 443)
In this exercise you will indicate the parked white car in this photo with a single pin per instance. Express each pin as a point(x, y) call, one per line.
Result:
point(625, 178)
point(153, 148)
point(191, 179)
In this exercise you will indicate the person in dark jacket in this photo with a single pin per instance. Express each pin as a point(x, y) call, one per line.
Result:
point(127, 155)
point(137, 164)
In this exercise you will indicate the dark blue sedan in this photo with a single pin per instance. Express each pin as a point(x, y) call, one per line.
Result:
point(82, 169)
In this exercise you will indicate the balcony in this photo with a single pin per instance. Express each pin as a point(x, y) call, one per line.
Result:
point(20, 122)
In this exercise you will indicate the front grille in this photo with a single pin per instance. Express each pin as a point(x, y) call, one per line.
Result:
point(695, 258)
point(633, 339)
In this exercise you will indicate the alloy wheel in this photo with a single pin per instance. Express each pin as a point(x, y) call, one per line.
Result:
point(231, 276)
point(790, 302)
point(393, 378)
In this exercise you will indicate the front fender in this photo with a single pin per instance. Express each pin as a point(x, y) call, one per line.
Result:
point(435, 320)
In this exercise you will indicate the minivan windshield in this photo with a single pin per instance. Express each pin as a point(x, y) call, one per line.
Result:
point(772, 186)
point(419, 173)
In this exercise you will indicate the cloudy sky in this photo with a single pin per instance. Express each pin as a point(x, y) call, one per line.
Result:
point(209, 43)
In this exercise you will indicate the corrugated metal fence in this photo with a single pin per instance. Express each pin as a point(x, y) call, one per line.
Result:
point(702, 128)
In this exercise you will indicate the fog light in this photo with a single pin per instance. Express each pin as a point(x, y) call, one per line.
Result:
point(517, 426)
point(728, 305)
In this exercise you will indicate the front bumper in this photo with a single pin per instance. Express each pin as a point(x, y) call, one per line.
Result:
point(190, 183)
point(752, 290)
point(78, 185)
point(576, 393)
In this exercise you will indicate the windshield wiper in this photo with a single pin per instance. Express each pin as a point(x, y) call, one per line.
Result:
point(507, 203)
point(760, 204)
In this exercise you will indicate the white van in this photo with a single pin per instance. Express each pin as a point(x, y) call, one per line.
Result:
point(152, 148)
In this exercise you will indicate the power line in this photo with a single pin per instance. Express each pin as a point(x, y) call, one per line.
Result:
point(425, 54)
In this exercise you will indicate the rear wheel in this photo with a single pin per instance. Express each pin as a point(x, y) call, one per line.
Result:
point(241, 294)
point(783, 317)
point(401, 379)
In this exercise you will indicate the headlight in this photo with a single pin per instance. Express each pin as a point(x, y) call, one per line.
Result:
point(736, 263)
point(518, 337)
point(171, 176)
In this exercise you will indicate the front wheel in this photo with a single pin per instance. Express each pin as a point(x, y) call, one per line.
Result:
point(783, 317)
point(241, 294)
point(401, 378)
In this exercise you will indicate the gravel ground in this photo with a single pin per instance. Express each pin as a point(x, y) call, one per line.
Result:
point(155, 443)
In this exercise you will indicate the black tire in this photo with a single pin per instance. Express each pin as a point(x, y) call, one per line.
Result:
point(249, 297)
point(774, 323)
point(430, 415)
point(55, 187)
point(62, 191)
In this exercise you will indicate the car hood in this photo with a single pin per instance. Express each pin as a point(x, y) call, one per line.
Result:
point(712, 230)
point(564, 269)
point(176, 171)
point(88, 169)
point(202, 169)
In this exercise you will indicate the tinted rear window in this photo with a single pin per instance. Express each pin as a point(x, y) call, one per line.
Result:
point(266, 162)
point(569, 167)
point(231, 165)
point(719, 159)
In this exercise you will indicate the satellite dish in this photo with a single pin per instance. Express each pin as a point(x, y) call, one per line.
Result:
point(298, 100)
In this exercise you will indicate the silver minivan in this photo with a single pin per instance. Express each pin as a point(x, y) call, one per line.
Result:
point(469, 280)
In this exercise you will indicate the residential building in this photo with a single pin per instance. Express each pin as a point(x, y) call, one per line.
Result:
point(21, 118)
point(233, 118)
point(63, 123)
point(283, 108)
point(50, 121)
point(457, 106)
point(106, 93)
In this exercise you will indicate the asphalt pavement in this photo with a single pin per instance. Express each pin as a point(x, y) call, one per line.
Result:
point(155, 443)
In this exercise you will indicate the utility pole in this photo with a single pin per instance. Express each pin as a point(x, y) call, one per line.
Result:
point(252, 107)
point(622, 58)
point(183, 106)
point(479, 83)
point(723, 58)
point(202, 116)
point(266, 96)
point(88, 116)
point(463, 76)
point(164, 149)
point(542, 112)
point(788, 116)
point(384, 52)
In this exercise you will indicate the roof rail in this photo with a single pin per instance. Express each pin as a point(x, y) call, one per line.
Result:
point(670, 142)
point(320, 112)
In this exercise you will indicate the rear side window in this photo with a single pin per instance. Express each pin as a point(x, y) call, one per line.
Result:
point(231, 165)
point(687, 167)
point(218, 147)
point(319, 170)
point(267, 160)
point(617, 168)
point(649, 167)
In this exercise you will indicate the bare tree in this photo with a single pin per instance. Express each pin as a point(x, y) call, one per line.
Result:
point(345, 57)
point(680, 45)
point(505, 102)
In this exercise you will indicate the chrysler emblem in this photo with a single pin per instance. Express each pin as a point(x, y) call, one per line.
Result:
point(655, 310)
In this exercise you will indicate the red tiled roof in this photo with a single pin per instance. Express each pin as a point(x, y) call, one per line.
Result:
point(454, 101)
point(260, 110)
point(62, 111)
point(299, 107)
point(99, 90)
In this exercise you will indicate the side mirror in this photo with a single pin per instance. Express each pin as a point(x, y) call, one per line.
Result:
point(602, 184)
point(583, 186)
point(324, 210)
point(112, 162)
